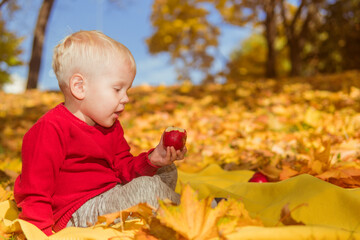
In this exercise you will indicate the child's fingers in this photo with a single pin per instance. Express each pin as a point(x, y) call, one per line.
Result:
point(184, 151)
point(181, 154)
point(173, 154)
point(168, 154)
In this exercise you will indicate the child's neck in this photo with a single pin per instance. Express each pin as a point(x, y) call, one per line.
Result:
point(75, 108)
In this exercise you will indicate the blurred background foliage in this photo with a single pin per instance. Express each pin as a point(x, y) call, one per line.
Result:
point(10, 50)
point(290, 38)
point(301, 39)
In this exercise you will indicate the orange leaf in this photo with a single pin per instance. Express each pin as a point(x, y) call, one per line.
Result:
point(287, 172)
point(144, 235)
point(346, 177)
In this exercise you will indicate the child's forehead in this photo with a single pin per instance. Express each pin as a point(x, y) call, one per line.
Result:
point(118, 64)
point(111, 59)
point(125, 59)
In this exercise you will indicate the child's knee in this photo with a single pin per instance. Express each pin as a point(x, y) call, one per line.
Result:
point(147, 182)
point(151, 186)
point(168, 175)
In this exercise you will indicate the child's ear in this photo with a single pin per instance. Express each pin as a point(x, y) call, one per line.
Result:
point(77, 86)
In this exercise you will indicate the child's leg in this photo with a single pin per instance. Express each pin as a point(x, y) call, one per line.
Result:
point(139, 190)
point(168, 175)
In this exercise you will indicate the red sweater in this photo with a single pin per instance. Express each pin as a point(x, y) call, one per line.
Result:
point(66, 162)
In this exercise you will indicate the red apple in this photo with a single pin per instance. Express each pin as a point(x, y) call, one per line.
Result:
point(175, 137)
point(258, 177)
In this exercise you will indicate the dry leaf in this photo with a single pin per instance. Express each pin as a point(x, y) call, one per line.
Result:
point(286, 218)
point(141, 210)
point(287, 172)
point(321, 161)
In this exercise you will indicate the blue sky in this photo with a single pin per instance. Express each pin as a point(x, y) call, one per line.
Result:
point(129, 24)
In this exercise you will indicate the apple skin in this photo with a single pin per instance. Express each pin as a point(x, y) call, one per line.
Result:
point(259, 178)
point(175, 137)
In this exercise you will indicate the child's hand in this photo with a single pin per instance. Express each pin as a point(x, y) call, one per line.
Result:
point(162, 156)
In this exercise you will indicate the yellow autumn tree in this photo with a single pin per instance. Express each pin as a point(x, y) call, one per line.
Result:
point(182, 29)
point(249, 59)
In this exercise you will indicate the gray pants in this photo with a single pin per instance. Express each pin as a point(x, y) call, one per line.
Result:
point(139, 190)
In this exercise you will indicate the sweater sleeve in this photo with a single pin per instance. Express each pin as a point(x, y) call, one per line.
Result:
point(126, 165)
point(42, 156)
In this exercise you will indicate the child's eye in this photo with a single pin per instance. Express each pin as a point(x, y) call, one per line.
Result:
point(117, 89)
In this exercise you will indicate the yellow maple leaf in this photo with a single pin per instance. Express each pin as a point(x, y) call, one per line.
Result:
point(235, 216)
point(193, 219)
point(320, 160)
point(196, 219)
point(142, 210)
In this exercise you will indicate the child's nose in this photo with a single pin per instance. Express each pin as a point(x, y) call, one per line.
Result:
point(124, 99)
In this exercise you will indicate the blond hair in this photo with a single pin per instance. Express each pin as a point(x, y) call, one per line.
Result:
point(84, 52)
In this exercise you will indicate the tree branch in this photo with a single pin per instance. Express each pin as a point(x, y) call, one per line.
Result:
point(283, 15)
point(297, 14)
point(305, 26)
point(2, 3)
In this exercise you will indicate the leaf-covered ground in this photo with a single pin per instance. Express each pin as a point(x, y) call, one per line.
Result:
point(280, 127)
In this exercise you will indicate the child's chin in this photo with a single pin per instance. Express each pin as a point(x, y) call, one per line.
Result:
point(108, 124)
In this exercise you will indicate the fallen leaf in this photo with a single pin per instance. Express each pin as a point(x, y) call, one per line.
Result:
point(193, 218)
point(287, 172)
point(286, 218)
point(141, 210)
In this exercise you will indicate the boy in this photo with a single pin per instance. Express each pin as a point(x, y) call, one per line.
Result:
point(77, 164)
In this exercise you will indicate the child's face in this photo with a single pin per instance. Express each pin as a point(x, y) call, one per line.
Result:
point(106, 94)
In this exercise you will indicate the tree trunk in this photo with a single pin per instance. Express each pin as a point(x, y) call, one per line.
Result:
point(270, 34)
point(295, 59)
point(38, 43)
